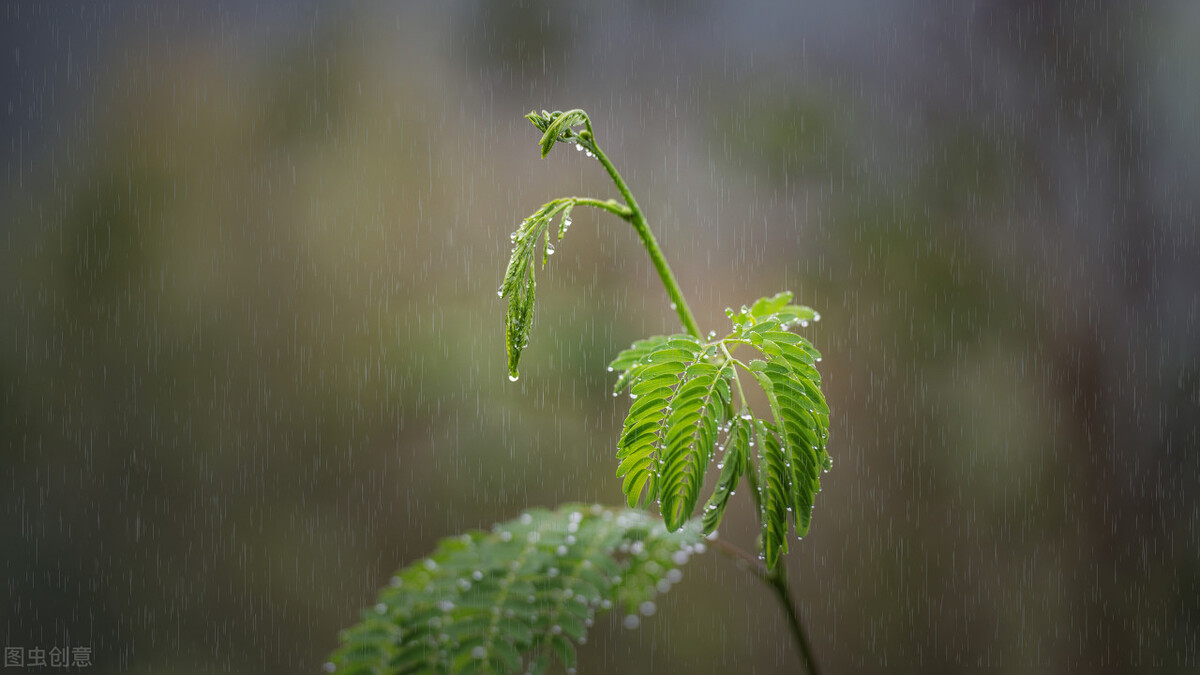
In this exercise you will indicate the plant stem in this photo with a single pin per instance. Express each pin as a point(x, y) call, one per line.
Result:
point(776, 578)
point(638, 220)
point(609, 205)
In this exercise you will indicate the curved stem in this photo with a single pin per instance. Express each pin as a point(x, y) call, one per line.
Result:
point(638, 220)
point(621, 211)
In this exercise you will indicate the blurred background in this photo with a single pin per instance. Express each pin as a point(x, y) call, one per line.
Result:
point(251, 354)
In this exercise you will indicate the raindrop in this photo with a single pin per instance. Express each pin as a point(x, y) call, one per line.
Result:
point(647, 608)
point(479, 652)
point(632, 621)
point(513, 378)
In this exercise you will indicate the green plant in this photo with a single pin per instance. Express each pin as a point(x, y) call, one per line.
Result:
point(511, 598)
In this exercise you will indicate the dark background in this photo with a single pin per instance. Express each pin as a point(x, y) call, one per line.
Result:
point(251, 356)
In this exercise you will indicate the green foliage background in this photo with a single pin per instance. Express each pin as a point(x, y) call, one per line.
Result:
point(248, 331)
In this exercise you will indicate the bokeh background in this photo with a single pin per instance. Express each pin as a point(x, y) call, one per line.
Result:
point(251, 357)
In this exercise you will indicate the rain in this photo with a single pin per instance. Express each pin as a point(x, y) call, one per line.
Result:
point(252, 361)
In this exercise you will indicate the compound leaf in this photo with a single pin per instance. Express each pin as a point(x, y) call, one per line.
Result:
point(518, 595)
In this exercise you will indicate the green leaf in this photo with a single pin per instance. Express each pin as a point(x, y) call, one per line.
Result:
point(520, 283)
point(493, 602)
point(697, 410)
point(656, 377)
point(556, 127)
point(775, 488)
point(735, 463)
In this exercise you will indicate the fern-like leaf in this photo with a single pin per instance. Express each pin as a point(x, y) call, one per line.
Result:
point(775, 488)
point(657, 376)
point(697, 410)
point(519, 286)
point(734, 466)
point(518, 596)
point(682, 389)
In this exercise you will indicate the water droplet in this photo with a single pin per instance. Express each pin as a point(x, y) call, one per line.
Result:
point(329, 667)
point(673, 305)
point(647, 608)
point(446, 606)
point(610, 369)
point(632, 621)
point(513, 377)
point(381, 608)
point(479, 652)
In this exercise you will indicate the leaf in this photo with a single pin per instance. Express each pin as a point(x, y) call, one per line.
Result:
point(656, 378)
point(697, 410)
point(776, 308)
point(556, 126)
point(520, 283)
point(736, 462)
point(775, 486)
point(493, 602)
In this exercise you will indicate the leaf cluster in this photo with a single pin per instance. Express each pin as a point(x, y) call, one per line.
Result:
point(517, 597)
point(683, 414)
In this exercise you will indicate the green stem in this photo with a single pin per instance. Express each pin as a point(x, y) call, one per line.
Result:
point(610, 205)
point(777, 580)
point(638, 220)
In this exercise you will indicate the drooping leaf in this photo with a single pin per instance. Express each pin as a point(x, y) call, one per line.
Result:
point(521, 594)
point(775, 487)
point(735, 463)
point(520, 283)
